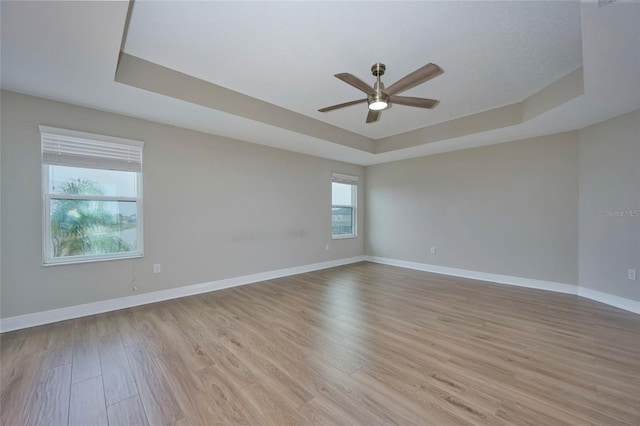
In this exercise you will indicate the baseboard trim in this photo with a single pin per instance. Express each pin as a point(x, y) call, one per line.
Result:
point(608, 299)
point(54, 315)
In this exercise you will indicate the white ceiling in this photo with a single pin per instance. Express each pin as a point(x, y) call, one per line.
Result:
point(493, 53)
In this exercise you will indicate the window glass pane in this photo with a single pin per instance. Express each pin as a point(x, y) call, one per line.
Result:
point(81, 181)
point(341, 194)
point(82, 227)
point(342, 220)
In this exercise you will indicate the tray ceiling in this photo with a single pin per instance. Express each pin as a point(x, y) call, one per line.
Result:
point(258, 71)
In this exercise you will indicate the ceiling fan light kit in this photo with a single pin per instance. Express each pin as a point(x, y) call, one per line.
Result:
point(378, 102)
point(380, 98)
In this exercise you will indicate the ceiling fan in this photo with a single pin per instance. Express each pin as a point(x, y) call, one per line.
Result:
point(380, 98)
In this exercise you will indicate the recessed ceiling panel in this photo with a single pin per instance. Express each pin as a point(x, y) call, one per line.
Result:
point(286, 53)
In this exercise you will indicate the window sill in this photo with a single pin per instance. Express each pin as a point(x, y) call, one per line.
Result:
point(76, 261)
point(343, 237)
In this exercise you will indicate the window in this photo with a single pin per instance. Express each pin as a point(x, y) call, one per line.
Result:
point(92, 197)
point(343, 205)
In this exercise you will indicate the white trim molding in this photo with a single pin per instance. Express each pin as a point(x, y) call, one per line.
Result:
point(46, 317)
point(54, 315)
point(608, 299)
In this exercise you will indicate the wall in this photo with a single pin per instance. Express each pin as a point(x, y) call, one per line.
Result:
point(509, 209)
point(214, 208)
point(610, 182)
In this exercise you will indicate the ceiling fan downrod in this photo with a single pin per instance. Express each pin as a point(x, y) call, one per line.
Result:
point(380, 100)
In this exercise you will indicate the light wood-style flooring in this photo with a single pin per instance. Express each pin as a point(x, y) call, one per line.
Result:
point(362, 344)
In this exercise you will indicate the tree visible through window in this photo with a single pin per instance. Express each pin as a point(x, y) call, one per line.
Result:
point(80, 227)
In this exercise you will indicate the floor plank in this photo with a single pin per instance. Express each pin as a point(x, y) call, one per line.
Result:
point(51, 403)
point(157, 398)
point(127, 412)
point(87, 406)
point(116, 373)
point(86, 353)
point(20, 380)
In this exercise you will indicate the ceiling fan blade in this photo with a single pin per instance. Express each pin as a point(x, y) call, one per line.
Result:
point(414, 102)
point(356, 82)
point(373, 116)
point(346, 104)
point(417, 77)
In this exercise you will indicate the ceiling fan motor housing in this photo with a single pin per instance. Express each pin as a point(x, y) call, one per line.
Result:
point(378, 69)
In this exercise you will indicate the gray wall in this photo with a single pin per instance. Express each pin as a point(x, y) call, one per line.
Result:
point(214, 208)
point(610, 181)
point(508, 209)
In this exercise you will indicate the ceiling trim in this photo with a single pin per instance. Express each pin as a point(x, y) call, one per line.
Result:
point(137, 72)
point(552, 96)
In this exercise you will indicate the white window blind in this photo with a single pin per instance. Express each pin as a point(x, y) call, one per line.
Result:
point(71, 148)
point(346, 179)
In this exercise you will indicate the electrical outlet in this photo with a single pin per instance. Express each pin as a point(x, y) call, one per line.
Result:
point(433, 250)
point(326, 247)
point(631, 274)
point(156, 268)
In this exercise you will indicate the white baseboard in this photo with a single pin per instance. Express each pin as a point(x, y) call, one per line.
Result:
point(54, 315)
point(46, 317)
point(482, 276)
point(609, 299)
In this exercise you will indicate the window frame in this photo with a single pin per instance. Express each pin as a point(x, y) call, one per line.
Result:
point(353, 181)
point(47, 255)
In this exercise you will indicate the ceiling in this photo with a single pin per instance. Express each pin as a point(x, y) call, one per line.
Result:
point(495, 54)
point(258, 71)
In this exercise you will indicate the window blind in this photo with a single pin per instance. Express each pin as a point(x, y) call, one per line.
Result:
point(70, 148)
point(346, 179)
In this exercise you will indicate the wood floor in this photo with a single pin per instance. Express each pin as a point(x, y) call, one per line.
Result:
point(362, 344)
